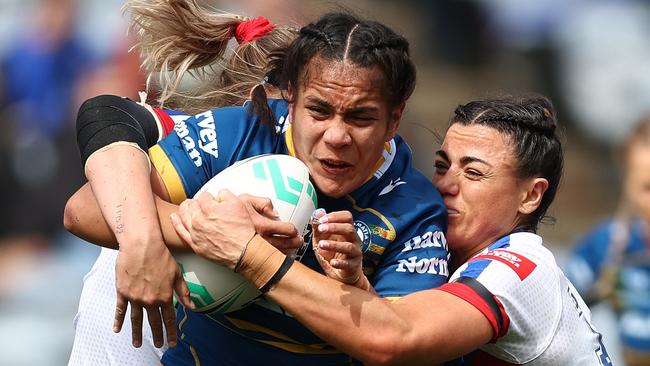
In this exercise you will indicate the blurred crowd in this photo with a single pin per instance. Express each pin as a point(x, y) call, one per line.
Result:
point(592, 57)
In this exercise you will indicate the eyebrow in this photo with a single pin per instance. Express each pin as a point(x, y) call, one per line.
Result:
point(354, 110)
point(464, 160)
point(320, 102)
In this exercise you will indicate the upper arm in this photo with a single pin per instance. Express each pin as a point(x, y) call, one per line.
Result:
point(158, 186)
point(442, 326)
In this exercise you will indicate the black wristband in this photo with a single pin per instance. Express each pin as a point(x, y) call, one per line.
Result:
point(286, 264)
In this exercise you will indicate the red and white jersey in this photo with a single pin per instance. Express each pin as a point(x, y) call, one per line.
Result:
point(536, 314)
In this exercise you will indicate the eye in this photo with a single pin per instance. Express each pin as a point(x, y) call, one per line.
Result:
point(440, 167)
point(363, 119)
point(473, 174)
point(317, 111)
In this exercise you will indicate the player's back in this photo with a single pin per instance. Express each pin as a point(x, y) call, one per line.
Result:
point(576, 341)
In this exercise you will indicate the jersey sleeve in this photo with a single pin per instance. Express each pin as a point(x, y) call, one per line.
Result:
point(513, 290)
point(417, 258)
point(202, 145)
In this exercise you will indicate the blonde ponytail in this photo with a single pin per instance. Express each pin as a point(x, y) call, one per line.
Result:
point(177, 36)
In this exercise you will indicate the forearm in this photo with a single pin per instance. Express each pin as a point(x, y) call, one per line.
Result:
point(373, 329)
point(84, 219)
point(119, 177)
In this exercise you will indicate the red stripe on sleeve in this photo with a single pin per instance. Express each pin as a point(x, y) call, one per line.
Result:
point(468, 294)
point(166, 121)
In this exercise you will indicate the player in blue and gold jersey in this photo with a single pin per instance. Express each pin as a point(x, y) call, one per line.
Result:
point(347, 81)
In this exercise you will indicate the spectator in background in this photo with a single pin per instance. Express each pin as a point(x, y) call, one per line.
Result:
point(612, 262)
point(40, 74)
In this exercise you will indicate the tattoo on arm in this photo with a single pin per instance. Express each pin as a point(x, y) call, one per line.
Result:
point(119, 225)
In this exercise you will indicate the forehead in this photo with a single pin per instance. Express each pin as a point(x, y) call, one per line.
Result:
point(337, 78)
point(478, 141)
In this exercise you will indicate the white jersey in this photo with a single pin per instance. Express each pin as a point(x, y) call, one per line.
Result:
point(537, 316)
point(95, 343)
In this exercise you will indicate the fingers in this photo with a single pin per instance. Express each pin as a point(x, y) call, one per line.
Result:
point(284, 244)
point(136, 325)
point(350, 250)
point(347, 230)
point(155, 323)
point(268, 227)
point(323, 217)
point(169, 318)
point(120, 312)
point(261, 205)
point(183, 292)
point(182, 231)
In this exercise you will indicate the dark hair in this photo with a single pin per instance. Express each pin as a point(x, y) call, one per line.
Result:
point(531, 125)
point(339, 36)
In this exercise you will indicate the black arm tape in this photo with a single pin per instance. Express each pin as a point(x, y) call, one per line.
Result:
point(284, 268)
point(486, 295)
point(106, 119)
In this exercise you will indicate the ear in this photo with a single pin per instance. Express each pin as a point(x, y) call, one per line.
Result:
point(395, 118)
point(532, 196)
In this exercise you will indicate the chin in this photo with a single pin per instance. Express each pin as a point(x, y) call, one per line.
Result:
point(331, 188)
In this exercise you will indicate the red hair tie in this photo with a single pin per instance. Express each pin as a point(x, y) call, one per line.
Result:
point(252, 29)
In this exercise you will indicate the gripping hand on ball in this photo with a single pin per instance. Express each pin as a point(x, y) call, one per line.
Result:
point(216, 229)
point(338, 248)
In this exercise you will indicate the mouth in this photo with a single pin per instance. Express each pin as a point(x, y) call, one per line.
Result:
point(452, 212)
point(334, 166)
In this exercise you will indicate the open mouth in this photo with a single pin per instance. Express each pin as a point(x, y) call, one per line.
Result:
point(335, 166)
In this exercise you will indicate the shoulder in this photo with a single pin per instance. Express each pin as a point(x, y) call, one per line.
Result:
point(513, 258)
point(525, 281)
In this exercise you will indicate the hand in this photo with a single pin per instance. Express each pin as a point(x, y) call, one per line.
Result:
point(216, 229)
point(145, 279)
point(337, 246)
point(282, 235)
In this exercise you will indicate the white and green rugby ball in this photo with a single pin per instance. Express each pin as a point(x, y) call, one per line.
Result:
point(283, 179)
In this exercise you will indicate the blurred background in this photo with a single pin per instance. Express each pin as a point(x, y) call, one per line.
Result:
point(592, 57)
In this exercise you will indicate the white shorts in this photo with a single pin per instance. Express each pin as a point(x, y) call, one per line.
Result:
point(95, 343)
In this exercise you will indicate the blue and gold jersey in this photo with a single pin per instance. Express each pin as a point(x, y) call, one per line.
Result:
point(398, 214)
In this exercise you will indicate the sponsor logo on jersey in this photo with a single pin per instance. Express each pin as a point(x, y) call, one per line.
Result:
point(390, 186)
point(517, 262)
point(423, 265)
point(207, 136)
point(282, 124)
point(364, 234)
point(188, 143)
point(427, 240)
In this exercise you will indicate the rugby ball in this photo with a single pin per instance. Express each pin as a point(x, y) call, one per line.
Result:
point(283, 179)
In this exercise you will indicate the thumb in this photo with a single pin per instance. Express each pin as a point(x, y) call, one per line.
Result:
point(261, 205)
point(183, 292)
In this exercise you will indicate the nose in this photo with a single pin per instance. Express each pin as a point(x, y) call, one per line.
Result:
point(337, 134)
point(447, 183)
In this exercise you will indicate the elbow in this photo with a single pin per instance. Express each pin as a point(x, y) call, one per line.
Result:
point(70, 216)
point(386, 350)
